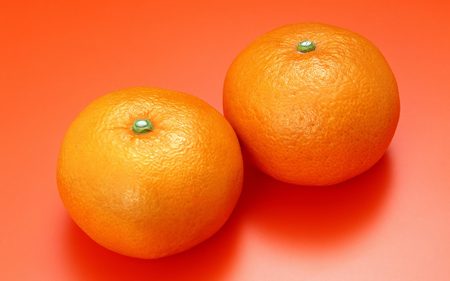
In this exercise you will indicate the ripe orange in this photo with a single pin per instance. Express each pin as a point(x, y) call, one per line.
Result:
point(313, 104)
point(149, 172)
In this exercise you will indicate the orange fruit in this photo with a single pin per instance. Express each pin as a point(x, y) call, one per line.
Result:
point(312, 104)
point(149, 172)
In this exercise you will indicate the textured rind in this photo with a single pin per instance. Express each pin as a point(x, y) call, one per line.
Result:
point(155, 194)
point(315, 118)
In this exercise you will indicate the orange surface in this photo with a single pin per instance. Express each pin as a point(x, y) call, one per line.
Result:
point(392, 223)
point(312, 118)
point(155, 193)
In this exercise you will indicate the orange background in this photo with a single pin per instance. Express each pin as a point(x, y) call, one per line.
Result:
point(392, 223)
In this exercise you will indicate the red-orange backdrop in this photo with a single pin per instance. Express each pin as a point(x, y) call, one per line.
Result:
point(392, 223)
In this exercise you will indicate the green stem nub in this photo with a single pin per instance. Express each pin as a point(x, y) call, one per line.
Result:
point(142, 126)
point(306, 46)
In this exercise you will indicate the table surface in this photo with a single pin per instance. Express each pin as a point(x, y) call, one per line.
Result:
point(391, 223)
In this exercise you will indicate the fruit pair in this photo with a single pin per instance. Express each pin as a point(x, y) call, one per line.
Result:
point(150, 172)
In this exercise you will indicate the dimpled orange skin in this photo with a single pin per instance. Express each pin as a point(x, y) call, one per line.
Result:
point(155, 194)
point(314, 118)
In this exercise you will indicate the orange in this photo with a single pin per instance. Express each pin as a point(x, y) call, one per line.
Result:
point(312, 104)
point(149, 172)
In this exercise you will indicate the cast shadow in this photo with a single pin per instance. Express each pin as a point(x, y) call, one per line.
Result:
point(314, 217)
point(209, 260)
point(299, 216)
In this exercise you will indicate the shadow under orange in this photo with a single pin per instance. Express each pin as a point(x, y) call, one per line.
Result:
point(311, 216)
point(209, 260)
